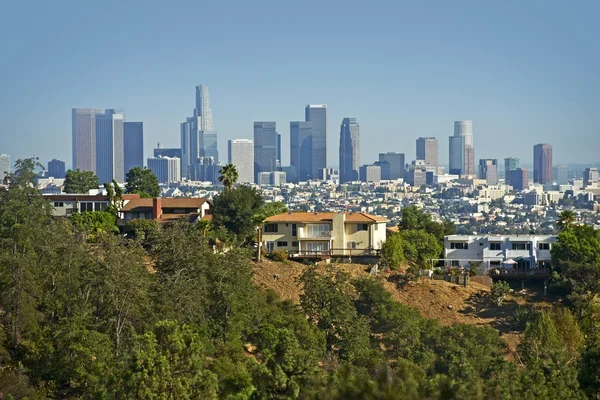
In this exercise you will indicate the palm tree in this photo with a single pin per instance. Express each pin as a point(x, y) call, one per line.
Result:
point(566, 219)
point(229, 175)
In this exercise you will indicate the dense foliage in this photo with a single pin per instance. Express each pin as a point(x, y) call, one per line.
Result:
point(174, 319)
point(142, 181)
point(80, 181)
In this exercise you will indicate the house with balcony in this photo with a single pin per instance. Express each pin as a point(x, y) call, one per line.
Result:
point(523, 253)
point(65, 205)
point(324, 234)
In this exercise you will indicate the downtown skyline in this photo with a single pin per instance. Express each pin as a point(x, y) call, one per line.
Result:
point(528, 84)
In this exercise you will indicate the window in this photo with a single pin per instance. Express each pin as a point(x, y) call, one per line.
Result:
point(459, 246)
point(318, 230)
point(100, 206)
point(455, 263)
point(521, 246)
point(58, 204)
point(282, 244)
point(86, 206)
point(294, 244)
point(362, 227)
point(270, 246)
point(351, 245)
point(294, 230)
point(544, 246)
point(271, 228)
point(495, 246)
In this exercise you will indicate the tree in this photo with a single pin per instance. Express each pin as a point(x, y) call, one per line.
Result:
point(566, 219)
point(142, 181)
point(239, 211)
point(80, 181)
point(392, 250)
point(115, 196)
point(420, 247)
point(499, 292)
point(229, 176)
point(95, 223)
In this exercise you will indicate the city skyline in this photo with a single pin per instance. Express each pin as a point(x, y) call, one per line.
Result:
point(529, 83)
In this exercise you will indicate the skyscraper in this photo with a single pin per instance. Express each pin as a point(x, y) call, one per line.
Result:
point(83, 126)
point(396, 168)
point(560, 174)
point(208, 145)
point(462, 151)
point(488, 170)
point(56, 168)
point(301, 150)
point(266, 151)
point(349, 150)
point(427, 150)
point(510, 164)
point(590, 176)
point(203, 109)
point(519, 178)
point(110, 154)
point(241, 154)
point(185, 134)
point(166, 169)
point(370, 173)
point(542, 163)
point(4, 166)
point(133, 138)
point(317, 114)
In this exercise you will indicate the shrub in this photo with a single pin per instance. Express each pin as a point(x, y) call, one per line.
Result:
point(279, 256)
point(499, 291)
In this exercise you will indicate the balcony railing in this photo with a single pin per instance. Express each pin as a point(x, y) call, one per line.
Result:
point(315, 235)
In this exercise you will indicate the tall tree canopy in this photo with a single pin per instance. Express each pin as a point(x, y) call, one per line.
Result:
point(238, 211)
point(229, 176)
point(142, 181)
point(80, 181)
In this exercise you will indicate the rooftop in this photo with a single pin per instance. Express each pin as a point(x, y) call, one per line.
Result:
point(302, 216)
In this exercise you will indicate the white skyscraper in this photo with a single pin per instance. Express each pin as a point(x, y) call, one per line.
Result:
point(462, 151)
point(83, 125)
point(4, 166)
point(203, 108)
point(241, 154)
point(110, 152)
point(166, 169)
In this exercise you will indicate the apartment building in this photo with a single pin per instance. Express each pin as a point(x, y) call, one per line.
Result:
point(324, 234)
point(517, 252)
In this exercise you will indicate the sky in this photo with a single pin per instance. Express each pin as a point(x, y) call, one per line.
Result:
point(524, 72)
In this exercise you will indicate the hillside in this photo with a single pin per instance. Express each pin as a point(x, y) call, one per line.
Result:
point(448, 303)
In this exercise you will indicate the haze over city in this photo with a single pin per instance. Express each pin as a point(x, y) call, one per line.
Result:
point(523, 73)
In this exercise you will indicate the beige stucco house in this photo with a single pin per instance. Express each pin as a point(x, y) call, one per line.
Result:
point(324, 234)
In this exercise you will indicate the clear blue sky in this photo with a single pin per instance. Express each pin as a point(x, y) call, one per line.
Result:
point(524, 71)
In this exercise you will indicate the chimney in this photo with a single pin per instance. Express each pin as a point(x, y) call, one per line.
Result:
point(156, 208)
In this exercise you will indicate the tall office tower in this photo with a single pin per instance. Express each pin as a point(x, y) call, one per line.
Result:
point(56, 169)
point(203, 109)
point(427, 150)
point(133, 138)
point(279, 151)
point(542, 163)
point(510, 164)
point(110, 154)
point(266, 152)
point(560, 174)
point(349, 150)
point(462, 150)
point(83, 127)
point(488, 170)
point(370, 173)
point(166, 169)
point(4, 166)
point(301, 150)
point(185, 135)
point(519, 179)
point(241, 154)
point(317, 114)
point(396, 168)
point(590, 176)
point(208, 145)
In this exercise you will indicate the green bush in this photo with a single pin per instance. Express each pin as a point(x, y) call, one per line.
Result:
point(499, 291)
point(279, 256)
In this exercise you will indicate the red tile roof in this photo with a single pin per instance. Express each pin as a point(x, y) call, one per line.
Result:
point(194, 203)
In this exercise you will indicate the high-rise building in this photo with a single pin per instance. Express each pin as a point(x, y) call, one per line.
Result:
point(301, 150)
point(4, 166)
point(56, 169)
point(83, 126)
point(266, 147)
point(208, 145)
point(542, 163)
point(510, 164)
point(203, 109)
point(370, 173)
point(416, 176)
point(349, 150)
point(590, 176)
point(427, 150)
point(488, 170)
point(317, 115)
point(185, 134)
point(396, 165)
point(560, 174)
point(166, 169)
point(462, 150)
point(161, 151)
point(110, 153)
point(241, 154)
point(133, 138)
point(519, 178)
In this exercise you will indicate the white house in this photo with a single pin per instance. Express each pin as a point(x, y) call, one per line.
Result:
point(522, 252)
